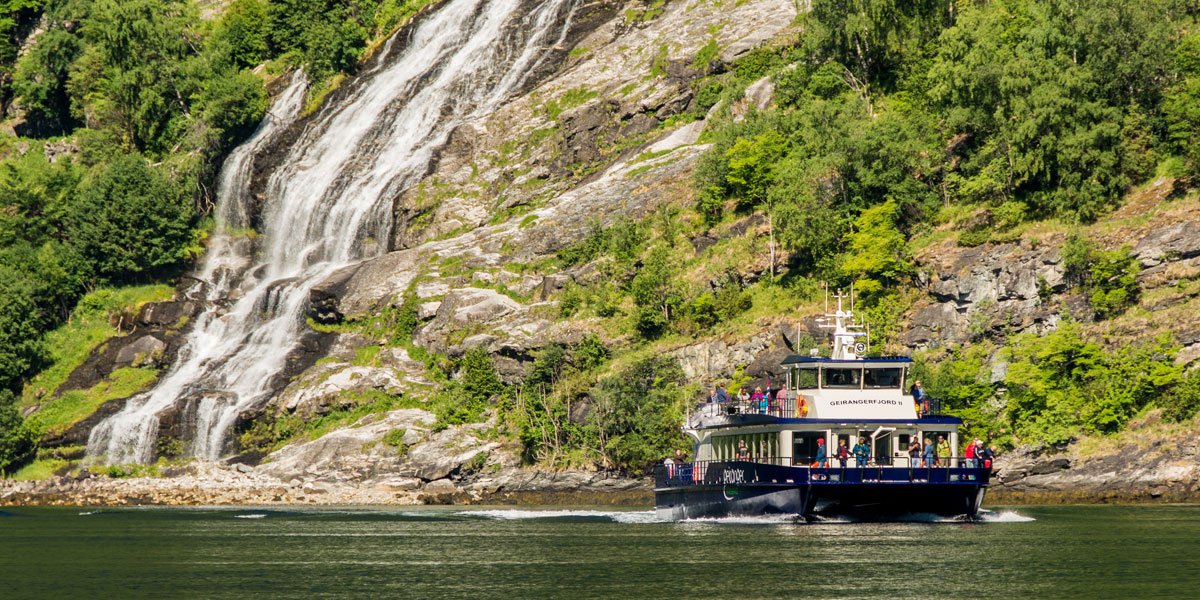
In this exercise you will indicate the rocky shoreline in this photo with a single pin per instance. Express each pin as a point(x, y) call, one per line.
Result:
point(1152, 462)
point(213, 484)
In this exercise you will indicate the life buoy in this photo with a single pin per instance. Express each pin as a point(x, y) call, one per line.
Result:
point(802, 408)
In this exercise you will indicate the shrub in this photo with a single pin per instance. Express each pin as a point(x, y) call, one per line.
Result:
point(130, 223)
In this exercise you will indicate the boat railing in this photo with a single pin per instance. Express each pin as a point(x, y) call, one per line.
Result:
point(784, 408)
point(791, 407)
point(889, 470)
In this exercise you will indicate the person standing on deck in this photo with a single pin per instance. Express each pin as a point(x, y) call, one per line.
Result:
point(969, 455)
point(843, 453)
point(914, 451)
point(821, 456)
point(943, 451)
point(861, 453)
point(918, 394)
point(927, 455)
point(743, 453)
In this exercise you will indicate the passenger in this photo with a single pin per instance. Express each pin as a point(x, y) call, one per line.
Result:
point(989, 455)
point(843, 453)
point(927, 454)
point(680, 456)
point(780, 401)
point(969, 456)
point(762, 451)
point(861, 453)
point(914, 451)
point(757, 399)
point(743, 453)
point(943, 450)
point(821, 462)
point(918, 394)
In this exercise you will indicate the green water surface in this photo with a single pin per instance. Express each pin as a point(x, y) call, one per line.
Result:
point(467, 552)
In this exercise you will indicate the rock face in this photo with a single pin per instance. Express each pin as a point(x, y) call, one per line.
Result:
point(1161, 466)
point(1003, 286)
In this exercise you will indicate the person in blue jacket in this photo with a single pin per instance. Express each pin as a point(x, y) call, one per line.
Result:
point(821, 452)
point(862, 453)
point(927, 454)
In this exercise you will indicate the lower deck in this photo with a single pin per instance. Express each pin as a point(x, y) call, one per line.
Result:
point(722, 488)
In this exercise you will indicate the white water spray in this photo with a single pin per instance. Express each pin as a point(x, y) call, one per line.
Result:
point(328, 205)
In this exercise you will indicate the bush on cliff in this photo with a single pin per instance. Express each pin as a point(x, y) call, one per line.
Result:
point(16, 440)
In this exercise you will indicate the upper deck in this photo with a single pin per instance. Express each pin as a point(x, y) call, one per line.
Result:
point(848, 386)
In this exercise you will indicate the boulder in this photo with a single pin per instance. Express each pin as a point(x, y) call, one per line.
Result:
point(166, 314)
point(145, 350)
point(323, 298)
point(1172, 242)
point(427, 310)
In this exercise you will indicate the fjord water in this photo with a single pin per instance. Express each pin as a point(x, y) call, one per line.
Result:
point(467, 552)
point(328, 204)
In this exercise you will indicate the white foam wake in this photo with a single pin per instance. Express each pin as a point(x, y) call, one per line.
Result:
point(617, 516)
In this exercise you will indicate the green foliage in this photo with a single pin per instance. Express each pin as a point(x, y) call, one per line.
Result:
point(877, 254)
point(1114, 282)
point(41, 81)
point(22, 351)
point(1050, 84)
point(706, 54)
point(1057, 385)
point(655, 292)
point(130, 223)
point(16, 440)
point(1182, 401)
point(234, 104)
point(1182, 102)
point(58, 414)
point(89, 325)
point(395, 439)
point(621, 240)
point(327, 36)
point(638, 410)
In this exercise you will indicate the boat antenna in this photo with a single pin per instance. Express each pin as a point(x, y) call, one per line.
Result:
point(851, 298)
point(825, 284)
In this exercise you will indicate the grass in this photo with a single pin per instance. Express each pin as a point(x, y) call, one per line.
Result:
point(570, 99)
point(366, 356)
point(88, 327)
point(73, 406)
point(42, 468)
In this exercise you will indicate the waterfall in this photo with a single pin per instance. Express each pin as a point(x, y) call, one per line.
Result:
point(327, 205)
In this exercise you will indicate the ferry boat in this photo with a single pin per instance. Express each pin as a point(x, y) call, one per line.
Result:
point(749, 461)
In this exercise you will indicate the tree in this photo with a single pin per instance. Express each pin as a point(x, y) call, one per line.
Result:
point(655, 292)
point(130, 223)
point(751, 174)
point(877, 253)
point(16, 440)
point(638, 412)
point(22, 351)
point(41, 81)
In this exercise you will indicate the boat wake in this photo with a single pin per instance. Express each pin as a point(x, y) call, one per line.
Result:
point(649, 516)
point(616, 516)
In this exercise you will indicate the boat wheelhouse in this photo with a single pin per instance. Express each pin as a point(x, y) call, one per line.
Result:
point(781, 455)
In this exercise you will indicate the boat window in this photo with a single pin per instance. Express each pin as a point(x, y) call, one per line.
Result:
point(806, 379)
point(881, 378)
point(842, 378)
point(883, 452)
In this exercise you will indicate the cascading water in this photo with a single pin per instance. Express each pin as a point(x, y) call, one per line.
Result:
point(326, 202)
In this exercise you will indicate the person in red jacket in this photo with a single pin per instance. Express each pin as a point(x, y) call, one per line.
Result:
point(969, 454)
